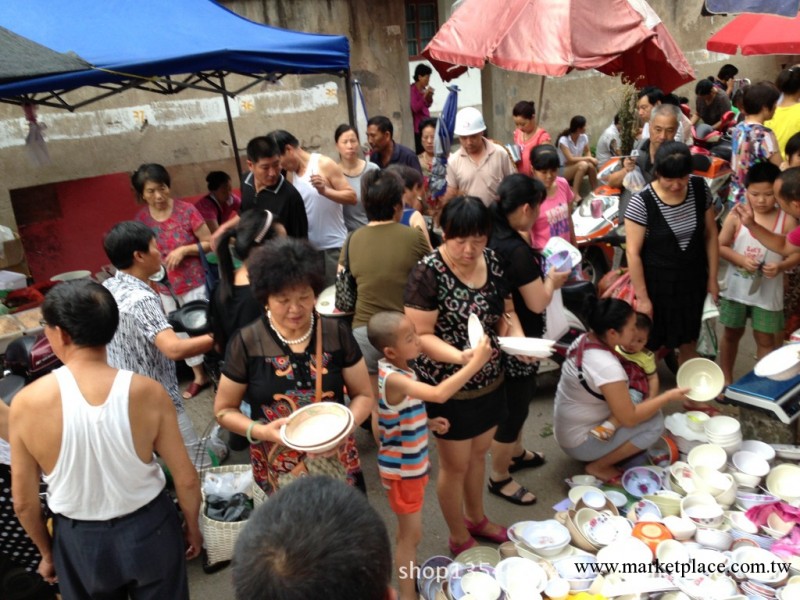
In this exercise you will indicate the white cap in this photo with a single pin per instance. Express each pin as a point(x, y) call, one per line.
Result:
point(469, 121)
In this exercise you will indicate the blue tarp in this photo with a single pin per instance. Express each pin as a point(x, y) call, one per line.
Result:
point(157, 38)
point(786, 8)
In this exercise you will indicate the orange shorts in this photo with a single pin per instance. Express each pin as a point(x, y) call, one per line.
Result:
point(406, 495)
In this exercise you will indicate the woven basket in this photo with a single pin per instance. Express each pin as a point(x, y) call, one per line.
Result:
point(220, 537)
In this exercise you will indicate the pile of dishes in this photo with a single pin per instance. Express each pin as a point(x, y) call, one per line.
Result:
point(318, 427)
point(543, 538)
point(725, 432)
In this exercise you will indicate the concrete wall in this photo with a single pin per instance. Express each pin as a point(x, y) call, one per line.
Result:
point(188, 132)
point(596, 96)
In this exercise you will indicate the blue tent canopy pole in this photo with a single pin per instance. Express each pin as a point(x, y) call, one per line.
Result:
point(232, 131)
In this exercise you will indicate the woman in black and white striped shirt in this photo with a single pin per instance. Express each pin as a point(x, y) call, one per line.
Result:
point(672, 250)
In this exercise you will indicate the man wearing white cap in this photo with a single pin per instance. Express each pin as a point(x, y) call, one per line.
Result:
point(479, 165)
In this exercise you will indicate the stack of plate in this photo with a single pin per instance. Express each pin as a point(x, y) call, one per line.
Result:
point(318, 427)
point(725, 432)
point(533, 347)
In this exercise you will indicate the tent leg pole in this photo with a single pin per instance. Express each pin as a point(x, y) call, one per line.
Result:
point(351, 108)
point(235, 146)
point(541, 95)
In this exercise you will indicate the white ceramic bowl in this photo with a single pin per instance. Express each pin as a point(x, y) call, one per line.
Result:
point(740, 522)
point(765, 451)
point(750, 463)
point(545, 538)
point(713, 538)
point(703, 377)
point(618, 499)
point(709, 455)
point(709, 480)
point(784, 482)
point(576, 493)
point(748, 500)
point(722, 427)
point(744, 480)
point(696, 420)
point(681, 528)
point(780, 364)
point(579, 579)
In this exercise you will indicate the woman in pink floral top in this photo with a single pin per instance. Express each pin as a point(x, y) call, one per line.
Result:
point(178, 227)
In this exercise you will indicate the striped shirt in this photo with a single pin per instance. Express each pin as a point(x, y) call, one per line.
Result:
point(680, 218)
point(403, 427)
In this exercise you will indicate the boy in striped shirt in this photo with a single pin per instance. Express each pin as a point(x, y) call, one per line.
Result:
point(403, 427)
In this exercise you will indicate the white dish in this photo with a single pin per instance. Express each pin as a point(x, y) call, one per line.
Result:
point(780, 364)
point(519, 346)
point(703, 377)
point(320, 423)
point(474, 330)
point(481, 585)
point(517, 572)
point(787, 451)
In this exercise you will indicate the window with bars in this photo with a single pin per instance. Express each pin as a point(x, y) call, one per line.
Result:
point(421, 24)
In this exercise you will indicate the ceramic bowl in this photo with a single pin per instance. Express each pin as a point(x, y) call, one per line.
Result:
point(681, 528)
point(594, 499)
point(704, 378)
point(765, 451)
point(639, 481)
point(780, 364)
point(750, 463)
point(705, 515)
point(709, 455)
point(479, 555)
point(722, 427)
point(762, 566)
point(479, 585)
point(743, 480)
point(317, 426)
point(607, 506)
point(668, 502)
point(545, 538)
point(604, 529)
point(696, 420)
point(557, 589)
point(740, 522)
point(577, 536)
point(651, 534)
point(579, 578)
point(782, 482)
point(588, 480)
point(775, 522)
point(710, 480)
point(644, 510)
point(713, 538)
point(627, 550)
point(576, 493)
point(520, 573)
point(671, 551)
point(618, 499)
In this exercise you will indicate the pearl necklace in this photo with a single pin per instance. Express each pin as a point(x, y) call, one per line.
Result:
point(299, 340)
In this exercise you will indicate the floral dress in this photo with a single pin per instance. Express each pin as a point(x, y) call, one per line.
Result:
point(280, 381)
point(178, 230)
point(433, 286)
point(751, 143)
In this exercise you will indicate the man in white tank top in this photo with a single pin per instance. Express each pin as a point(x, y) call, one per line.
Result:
point(325, 190)
point(92, 431)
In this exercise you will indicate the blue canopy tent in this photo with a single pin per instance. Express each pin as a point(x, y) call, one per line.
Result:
point(163, 47)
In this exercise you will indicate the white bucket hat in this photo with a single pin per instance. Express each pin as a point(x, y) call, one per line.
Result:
point(469, 121)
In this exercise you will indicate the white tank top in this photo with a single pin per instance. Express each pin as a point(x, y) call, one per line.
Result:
point(770, 295)
point(98, 475)
point(326, 227)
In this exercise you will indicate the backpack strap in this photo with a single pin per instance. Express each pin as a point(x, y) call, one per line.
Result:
point(576, 352)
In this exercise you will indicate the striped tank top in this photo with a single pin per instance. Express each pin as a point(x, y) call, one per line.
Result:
point(403, 428)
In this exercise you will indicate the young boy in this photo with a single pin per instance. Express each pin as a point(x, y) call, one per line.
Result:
point(403, 453)
point(640, 366)
point(753, 285)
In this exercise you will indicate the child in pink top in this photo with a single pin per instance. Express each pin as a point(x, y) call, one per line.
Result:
point(555, 213)
point(528, 134)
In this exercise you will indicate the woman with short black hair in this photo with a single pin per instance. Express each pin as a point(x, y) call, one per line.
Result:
point(271, 362)
point(672, 250)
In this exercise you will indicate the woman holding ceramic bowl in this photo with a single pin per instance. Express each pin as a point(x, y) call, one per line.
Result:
point(463, 277)
point(594, 387)
point(271, 362)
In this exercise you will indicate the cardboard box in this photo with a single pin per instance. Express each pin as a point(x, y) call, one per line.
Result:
point(12, 252)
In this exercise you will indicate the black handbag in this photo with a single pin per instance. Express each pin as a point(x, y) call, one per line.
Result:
point(346, 288)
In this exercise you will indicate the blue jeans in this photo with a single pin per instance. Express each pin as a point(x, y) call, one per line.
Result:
point(140, 555)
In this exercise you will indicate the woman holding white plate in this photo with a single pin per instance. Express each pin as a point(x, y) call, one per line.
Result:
point(594, 387)
point(514, 214)
point(271, 362)
point(463, 277)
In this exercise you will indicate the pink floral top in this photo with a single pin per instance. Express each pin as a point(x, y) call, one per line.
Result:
point(178, 230)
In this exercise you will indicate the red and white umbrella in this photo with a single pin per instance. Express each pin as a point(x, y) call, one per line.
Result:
point(553, 37)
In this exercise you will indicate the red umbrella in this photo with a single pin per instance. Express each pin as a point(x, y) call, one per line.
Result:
point(552, 37)
point(758, 34)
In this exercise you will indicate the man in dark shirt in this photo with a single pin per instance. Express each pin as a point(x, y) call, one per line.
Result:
point(385, 151)
point(265, 188)
point(711, 104)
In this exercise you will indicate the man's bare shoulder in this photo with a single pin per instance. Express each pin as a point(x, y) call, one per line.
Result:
point(148, 392)
point(41, 394)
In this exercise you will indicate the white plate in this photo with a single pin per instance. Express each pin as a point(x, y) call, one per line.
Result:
point(519, 346)
point(778, 362)
point(316, 424)
point(481, 585)
point(474, 330)
point(787, 451)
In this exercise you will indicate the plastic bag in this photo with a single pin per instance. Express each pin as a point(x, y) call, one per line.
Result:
point(556, 323)
point(634, 181)
point(225, 485)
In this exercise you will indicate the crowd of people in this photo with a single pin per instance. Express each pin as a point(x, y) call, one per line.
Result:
point(422, 265)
